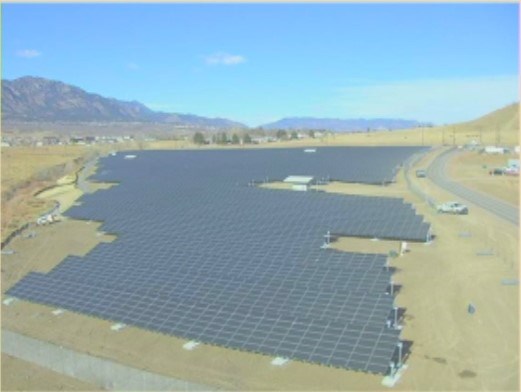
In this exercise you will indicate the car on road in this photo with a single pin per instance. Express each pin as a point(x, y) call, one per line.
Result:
point(421, 173)
point(453, 207)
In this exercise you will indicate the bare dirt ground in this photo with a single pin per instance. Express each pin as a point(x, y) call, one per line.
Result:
point(452, 350)
point(22, 375)
point(50, 245)
point(472, 170)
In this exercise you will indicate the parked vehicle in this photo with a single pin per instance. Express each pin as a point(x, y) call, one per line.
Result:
point(511, 171)
point(453, 207)
point(497, 171)
point(421, 173)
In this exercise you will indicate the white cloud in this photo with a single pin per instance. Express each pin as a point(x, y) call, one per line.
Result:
point(224, 59)
point(437, 100)
point(28, 53)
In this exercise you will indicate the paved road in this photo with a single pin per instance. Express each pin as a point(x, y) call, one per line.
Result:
point(438, 174)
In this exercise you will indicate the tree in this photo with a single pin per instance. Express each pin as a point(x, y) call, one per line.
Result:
point(311, 134)
point(282, 134)
point(235, 139)
point(223, 138)
point(247, 139)
point(294, 135)
point(199, 138)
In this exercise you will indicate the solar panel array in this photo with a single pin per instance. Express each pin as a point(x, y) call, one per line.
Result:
point(201, 254)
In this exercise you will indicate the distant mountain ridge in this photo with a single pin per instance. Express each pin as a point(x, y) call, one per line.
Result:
point(342, 125)
point(38, 99)
point(34, 99)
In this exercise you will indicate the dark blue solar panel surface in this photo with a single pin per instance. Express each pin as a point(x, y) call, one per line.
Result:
point(201, 254)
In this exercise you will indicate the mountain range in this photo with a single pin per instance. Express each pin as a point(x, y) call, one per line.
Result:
point(32, 99)
point(342, 125)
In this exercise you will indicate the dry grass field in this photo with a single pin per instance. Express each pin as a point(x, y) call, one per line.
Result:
point(472, 170)
point(25, 171)
point(22, 164)
point(500, 127)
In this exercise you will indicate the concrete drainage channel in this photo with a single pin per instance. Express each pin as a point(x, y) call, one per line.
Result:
point(101, 372)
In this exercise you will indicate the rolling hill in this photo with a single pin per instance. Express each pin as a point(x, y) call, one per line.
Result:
point(505, 119)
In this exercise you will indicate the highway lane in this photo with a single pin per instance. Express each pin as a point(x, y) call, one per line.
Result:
point(438, 174)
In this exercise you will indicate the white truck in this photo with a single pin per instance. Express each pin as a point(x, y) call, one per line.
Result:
point(453, 207)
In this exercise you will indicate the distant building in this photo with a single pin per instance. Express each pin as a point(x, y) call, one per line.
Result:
point(299, 183)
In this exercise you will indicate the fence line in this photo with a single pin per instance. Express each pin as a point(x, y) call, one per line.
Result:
point(413, 187)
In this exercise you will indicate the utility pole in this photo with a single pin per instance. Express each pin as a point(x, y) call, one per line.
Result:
point(453, 137)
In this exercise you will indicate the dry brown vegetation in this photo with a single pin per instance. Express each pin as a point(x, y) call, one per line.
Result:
point(27, 170)
point(472, 170)
point(499, 127)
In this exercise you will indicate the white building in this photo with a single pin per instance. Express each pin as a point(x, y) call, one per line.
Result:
point(299, 183)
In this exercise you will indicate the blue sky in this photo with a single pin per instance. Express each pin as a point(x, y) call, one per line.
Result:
point(257, 63)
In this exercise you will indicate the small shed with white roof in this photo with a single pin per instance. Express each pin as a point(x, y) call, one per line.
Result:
point(299, 183)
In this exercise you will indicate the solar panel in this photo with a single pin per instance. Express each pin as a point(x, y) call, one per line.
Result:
point(202, 255)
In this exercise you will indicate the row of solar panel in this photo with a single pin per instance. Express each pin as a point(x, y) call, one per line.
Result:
point(227, 327)
point(202, 255)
